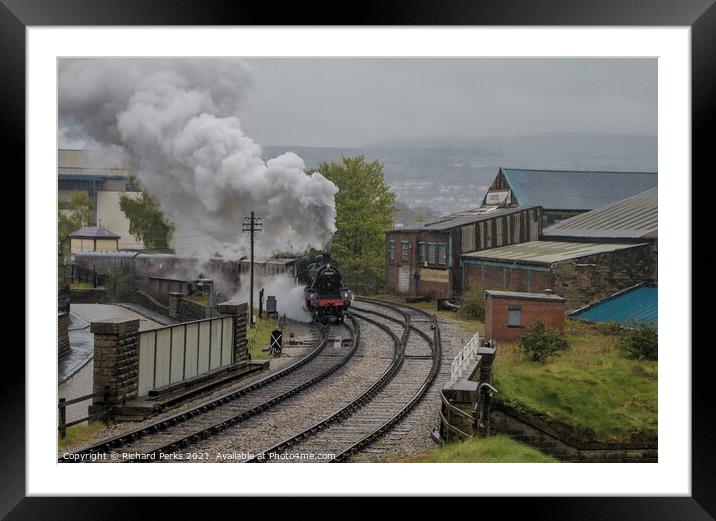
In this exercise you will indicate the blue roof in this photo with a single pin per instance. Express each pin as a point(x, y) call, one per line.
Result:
point(639, 303)
point(575, 189)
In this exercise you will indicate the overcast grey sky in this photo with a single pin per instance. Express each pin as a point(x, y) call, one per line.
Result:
point(354, 102)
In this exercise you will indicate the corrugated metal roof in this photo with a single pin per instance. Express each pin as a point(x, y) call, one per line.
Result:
point(639, 303)
point(523, 295)
point(94, 232)
point(635, 217)
point(460, 218)
point(573, 189)
point(546, 252)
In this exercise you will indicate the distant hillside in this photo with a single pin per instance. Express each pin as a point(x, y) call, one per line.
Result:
point(453, 173)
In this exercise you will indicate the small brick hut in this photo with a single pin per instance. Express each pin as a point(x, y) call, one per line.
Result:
point(509, 313)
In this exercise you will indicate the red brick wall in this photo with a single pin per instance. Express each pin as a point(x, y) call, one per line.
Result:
point(426, 288)
point(551, 313)
point(494, 278)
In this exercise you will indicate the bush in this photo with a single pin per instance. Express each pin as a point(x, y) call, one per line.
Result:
point(472, 306)
point(640, 341)
point(539, 343)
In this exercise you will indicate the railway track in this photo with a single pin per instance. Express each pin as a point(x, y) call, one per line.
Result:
point(212, 417)
point(415, 363)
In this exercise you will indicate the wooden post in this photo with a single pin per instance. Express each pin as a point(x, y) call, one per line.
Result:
point(63, 419)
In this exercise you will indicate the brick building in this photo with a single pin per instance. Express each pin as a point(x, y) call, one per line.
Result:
point(565, 193)
point(425, 260)
point(508, 313)
point(581, 272)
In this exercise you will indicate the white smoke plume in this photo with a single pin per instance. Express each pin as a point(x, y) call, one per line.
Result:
point(289, 296)
point(176, 118)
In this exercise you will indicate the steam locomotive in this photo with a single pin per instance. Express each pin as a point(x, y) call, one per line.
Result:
point(326, 297)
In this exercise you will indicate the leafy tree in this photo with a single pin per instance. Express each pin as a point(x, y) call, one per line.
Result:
point(73, 214)
point(640, 341)
point(115, 282)
point(147, 222)
point(365, 209)
point(473, 304)
point(539, 343)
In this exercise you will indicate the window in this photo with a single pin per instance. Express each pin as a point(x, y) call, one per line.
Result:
point(404, 251)
point(442, 253)
point(391, 250)
point(431, 253)
point(422, 257)
point(514, 316)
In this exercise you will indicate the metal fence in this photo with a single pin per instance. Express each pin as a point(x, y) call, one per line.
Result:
point(172, 354)
point(466, 355)
point(76, 273)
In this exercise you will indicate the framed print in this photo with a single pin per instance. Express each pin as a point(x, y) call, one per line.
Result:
point(214, 289)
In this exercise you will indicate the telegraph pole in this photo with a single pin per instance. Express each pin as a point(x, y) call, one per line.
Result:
point(252, 224)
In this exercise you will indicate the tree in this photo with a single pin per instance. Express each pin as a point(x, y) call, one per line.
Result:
point(640, 341)
point(73, 214)
point(365, 209)
point(539, 343)
point(147, 222)
point(473, 304)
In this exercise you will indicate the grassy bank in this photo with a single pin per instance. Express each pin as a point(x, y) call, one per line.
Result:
point(495, 449)
point(592, 387)
point(260, 338)
point(78, 435)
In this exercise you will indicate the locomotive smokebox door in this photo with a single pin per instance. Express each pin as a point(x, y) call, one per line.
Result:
point(276, 342)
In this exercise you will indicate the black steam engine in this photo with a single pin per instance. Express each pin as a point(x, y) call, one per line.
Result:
point(326, 296)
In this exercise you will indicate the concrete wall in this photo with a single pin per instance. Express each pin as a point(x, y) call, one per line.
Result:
point(112, 217)
point(580, 281)
point(531, 311)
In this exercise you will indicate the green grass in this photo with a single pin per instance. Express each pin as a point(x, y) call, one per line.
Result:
point(495, 449)
point(78, 435)
point(260, 338)
point(82, 285)
point(592, 389)
point(199, 299)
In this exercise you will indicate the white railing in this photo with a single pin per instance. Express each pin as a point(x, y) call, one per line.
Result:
point(466, 355)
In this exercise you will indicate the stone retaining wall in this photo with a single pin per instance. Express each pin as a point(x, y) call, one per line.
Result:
point(549, 438)
point(88, 295)
point(63, 337)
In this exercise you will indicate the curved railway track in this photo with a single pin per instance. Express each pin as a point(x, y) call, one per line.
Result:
point(415, 363)
point(212, 417)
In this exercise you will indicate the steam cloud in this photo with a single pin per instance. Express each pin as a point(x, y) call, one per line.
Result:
point(289, 296)
point(176, 118)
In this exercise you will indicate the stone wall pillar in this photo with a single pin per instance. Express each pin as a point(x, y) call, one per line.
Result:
point(239, 315)
point(174, 300)
point(116, 359)
point(487, 357)
point(63, 336)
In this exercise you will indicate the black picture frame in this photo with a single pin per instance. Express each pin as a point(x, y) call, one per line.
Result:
point(699, 15)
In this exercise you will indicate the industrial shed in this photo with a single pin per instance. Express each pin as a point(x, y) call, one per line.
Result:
point(565, 193)
point(425, 260)
point(637, 303)
point(580, 272)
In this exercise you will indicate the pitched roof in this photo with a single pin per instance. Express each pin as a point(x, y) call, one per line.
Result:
point(575, 189)
point(546, 252)
point(635, 218)
point(94, 232)
point(465, 217)
point(636, 303)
